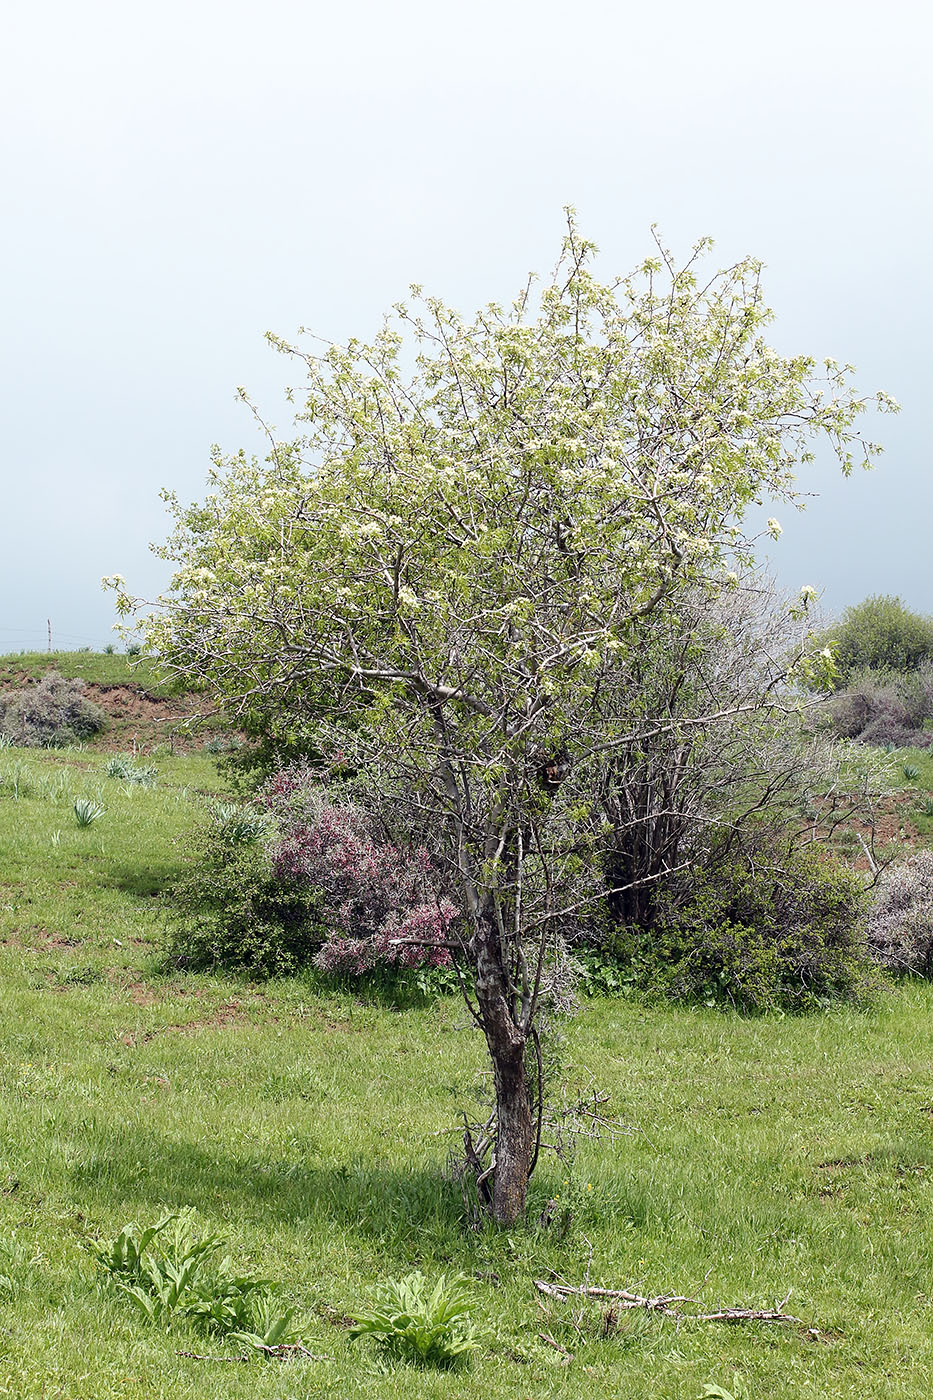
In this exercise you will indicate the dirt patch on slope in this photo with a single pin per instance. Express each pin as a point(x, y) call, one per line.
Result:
point(140, 721)
point(229, 1013)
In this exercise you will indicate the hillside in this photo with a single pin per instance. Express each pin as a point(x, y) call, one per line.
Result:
point(145, 710)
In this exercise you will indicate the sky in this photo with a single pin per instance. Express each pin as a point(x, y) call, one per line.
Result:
point(178, 179)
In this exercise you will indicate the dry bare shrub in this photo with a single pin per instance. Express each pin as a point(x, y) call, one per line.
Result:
point(885, 708)
point(53, 712)
point(900, 921)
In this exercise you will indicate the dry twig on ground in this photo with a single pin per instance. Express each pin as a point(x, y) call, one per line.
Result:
point(669, 1304)
point(280, 1353)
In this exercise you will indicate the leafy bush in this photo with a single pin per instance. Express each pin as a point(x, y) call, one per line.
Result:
point(382, 902)
point(788, 934)
point(428, 1326)
point(52, 712)
point(900, 920)
point(879, 634)
point(234, 909)
point(599, 973)
point(182, 1276)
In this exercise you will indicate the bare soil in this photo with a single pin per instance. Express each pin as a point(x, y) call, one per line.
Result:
point(140, 721)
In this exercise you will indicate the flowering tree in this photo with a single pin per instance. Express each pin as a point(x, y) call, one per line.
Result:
point(446, 568)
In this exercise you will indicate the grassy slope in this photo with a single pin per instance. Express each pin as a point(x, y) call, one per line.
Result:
point(95, 667)
point(921, 760)
point(764, 1154)
point(144, 708)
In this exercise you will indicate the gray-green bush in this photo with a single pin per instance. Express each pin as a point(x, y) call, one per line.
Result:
point(886, 708)
point(900, 921)
point(122, 766)
point(51, 713)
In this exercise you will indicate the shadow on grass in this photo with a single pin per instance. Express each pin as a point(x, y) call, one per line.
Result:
point(143, 1174)
point(393, 990)
point(143, 881)
point(405, 991)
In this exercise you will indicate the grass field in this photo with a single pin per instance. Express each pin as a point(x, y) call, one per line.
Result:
point(763, 1155)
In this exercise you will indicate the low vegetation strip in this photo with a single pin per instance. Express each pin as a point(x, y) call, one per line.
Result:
point(97, 668)
point(308, 1128)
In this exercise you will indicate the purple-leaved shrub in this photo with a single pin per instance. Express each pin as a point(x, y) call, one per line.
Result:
point(382, 903)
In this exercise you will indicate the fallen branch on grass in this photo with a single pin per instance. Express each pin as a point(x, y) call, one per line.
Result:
point(546, 1337)
point(669, 1304)
point(197, 1356)
point(280, 1353)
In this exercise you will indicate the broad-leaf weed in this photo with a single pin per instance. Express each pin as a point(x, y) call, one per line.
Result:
point(428, 1326)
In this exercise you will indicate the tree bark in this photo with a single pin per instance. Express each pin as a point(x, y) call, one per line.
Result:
point(514, 1135)
point(506, 1042)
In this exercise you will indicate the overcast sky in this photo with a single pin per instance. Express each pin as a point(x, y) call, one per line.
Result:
point(179, 178)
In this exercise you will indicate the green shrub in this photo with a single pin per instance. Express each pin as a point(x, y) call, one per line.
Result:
point(787, 934)
point(600, 974)
point(414, 1322)
point(879, 634)
point(182, 1276)
point(51, 713)
point(233, 910)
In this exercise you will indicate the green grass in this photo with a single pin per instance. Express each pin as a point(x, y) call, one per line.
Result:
point(764, 1155)
point(95, 667)
point(903, 762)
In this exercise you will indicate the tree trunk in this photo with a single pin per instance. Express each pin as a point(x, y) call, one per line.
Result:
point(514, 1136)
point(627, 874)
point(506, 1042)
